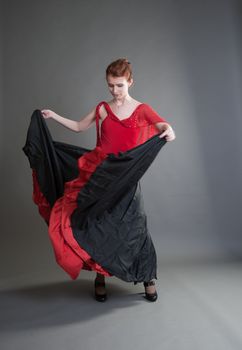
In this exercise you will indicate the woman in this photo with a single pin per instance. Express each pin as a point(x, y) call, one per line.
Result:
point(123, 124)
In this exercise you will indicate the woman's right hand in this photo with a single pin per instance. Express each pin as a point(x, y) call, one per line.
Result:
point(47, 113)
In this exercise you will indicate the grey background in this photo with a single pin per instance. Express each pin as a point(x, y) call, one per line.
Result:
point(186, 58)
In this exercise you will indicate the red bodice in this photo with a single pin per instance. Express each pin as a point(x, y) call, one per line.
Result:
point(114, 135)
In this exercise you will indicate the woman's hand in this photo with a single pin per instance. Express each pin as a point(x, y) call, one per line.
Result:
point(47, 113)
point(167, 132)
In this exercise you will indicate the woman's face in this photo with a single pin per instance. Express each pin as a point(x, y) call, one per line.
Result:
point(118, 86)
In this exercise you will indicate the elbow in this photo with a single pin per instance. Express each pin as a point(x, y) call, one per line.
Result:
point(78, 127)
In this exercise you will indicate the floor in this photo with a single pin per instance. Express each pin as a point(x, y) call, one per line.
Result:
point(198, 308)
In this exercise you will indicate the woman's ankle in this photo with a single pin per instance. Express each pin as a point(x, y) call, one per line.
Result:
point(100, 277)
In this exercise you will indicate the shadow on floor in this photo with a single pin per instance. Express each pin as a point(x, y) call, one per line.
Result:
point(58, 304)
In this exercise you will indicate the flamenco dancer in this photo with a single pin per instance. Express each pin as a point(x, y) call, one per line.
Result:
point(91, 200)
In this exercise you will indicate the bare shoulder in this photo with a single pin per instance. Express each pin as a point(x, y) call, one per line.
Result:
point(137, 102)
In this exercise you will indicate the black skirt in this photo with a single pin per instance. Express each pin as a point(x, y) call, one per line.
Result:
point(109, 221)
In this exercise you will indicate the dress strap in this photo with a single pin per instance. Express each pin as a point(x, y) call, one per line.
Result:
point(97, 123)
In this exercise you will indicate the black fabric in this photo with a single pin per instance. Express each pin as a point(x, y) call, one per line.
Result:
point(54, 162)
point(119, 240)
point(116, 175)
point(110, 221)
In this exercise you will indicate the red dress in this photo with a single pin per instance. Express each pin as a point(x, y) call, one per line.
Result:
point(117, 135)
point(113, 136)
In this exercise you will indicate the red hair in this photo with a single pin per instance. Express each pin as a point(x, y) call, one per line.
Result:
point(119, 68)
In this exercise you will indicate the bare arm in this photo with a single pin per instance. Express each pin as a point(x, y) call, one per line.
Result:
point(73, 125)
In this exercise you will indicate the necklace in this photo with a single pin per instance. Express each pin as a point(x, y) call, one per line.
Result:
point(119, 106)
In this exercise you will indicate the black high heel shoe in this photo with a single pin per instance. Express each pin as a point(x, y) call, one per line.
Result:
point(99, 297)
point(150, 296)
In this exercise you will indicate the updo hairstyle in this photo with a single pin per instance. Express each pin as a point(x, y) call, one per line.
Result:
point(119, 68)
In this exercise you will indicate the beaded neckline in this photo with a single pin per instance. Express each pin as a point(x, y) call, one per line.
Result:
point(123, 118)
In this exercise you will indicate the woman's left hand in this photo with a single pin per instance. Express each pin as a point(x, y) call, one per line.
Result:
point(167, 132)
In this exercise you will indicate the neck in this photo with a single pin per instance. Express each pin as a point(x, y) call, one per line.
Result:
point(121, 101)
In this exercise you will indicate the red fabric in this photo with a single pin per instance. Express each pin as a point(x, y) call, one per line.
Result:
point(68, 253)
point(39, 199)
point(114, 136)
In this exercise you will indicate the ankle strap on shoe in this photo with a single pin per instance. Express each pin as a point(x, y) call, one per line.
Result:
point(99, 283)
point(150, 283)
